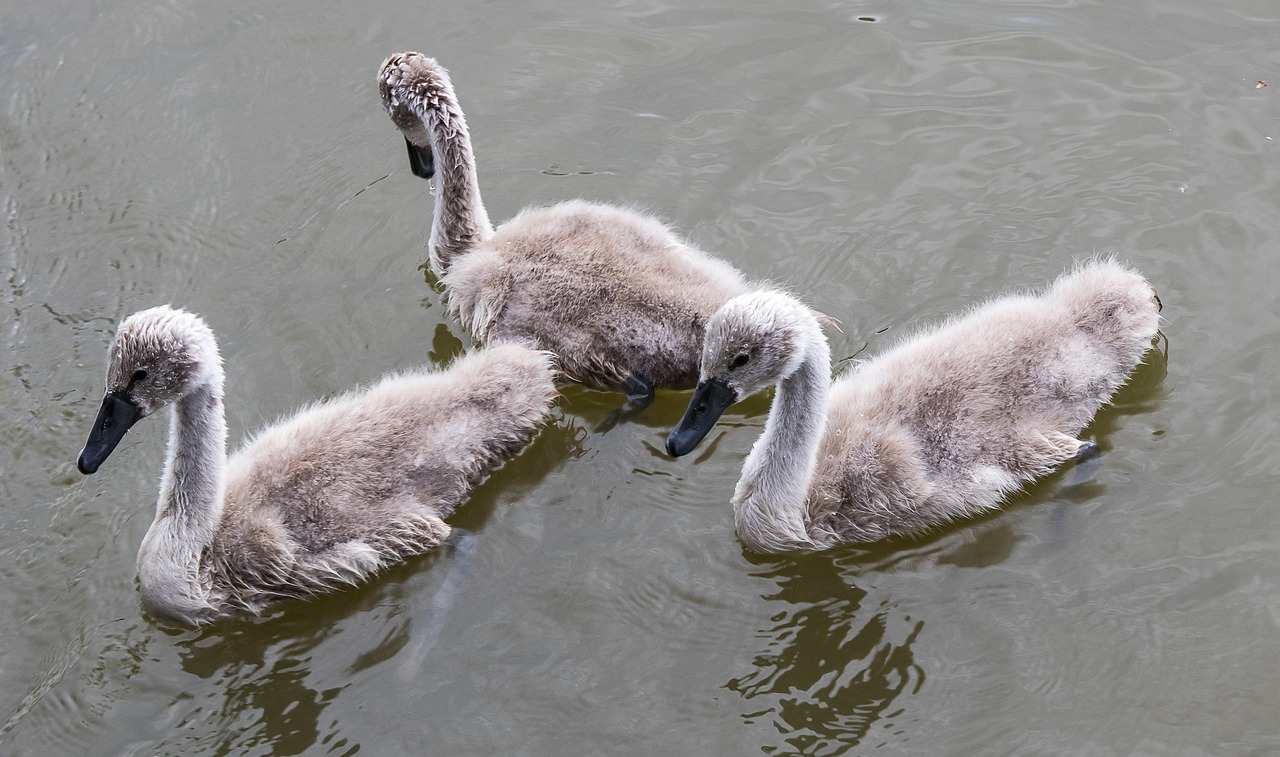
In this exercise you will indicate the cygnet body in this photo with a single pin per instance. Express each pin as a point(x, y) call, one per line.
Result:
point(320, 500)
point(619, 298)
point(945, 425)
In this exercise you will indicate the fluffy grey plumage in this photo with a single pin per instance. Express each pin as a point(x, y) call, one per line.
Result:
point(319, 500)
point(613, 293)
point(943, 426)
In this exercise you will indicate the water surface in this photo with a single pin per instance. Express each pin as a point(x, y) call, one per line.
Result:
point(893, 162)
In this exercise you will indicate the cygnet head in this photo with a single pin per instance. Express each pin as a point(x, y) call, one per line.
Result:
point(407, 82)
point(753, 341)
point(158, 356)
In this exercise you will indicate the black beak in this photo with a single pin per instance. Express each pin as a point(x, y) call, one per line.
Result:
point(421, 162)
point(710, 400)
point(115, 417)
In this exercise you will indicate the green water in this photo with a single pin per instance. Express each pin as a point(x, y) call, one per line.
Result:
point(893, 162)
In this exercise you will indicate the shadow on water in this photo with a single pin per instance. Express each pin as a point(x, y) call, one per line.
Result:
point(445, 345)
point(261, 679)
point(1142, 393)
point(835, 662)
point(259, 689)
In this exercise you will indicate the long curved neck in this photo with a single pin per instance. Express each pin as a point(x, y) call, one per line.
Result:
point(191, 492)
point(460, 222)
point(770, 500)
point(189, 511)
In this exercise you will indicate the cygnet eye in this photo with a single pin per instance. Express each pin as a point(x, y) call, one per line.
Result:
point(139, 375)
point(741, 360)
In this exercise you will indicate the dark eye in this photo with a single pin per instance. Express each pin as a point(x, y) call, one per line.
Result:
point(139, 375)
point(741, 360)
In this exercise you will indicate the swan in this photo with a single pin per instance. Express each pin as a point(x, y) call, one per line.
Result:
point(316, 501)
point(619, 298)
point(942, 426)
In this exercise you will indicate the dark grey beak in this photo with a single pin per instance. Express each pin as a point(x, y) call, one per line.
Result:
point(421, 162)
point(710, 400)
point(115, 417)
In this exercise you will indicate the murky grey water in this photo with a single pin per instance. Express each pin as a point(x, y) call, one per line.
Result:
point(894, 162)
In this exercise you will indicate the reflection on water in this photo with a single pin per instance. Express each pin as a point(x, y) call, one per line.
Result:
point(835, 661)
point(237, 162)
point(262, 684)
point(267, 702)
